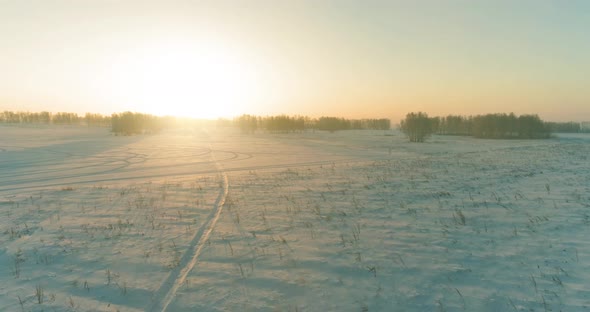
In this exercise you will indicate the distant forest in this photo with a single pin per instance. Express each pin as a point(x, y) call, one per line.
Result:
point(129, 123)
point(55, 118)
point(284, 123)
point(482, 126)
point(501, 126)
point(418, 126)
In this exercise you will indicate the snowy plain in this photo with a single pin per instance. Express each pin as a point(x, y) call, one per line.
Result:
point(200, 219)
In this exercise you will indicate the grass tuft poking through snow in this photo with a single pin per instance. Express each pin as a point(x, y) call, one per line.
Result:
point(342, 221)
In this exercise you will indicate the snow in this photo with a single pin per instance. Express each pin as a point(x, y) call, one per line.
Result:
point(215, 220)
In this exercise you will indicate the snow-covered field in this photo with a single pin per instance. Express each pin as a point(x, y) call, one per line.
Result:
point(213, 220)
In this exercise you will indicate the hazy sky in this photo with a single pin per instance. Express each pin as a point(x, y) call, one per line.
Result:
point(339, 58)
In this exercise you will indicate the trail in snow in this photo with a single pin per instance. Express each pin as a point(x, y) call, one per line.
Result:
point(165, 294)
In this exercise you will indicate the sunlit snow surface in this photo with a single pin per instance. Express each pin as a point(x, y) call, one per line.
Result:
point(315, 221)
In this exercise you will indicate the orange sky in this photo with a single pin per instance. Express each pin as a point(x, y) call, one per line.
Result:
point(353, 59)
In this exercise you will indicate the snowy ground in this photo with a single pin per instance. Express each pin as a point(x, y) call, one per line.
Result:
point(210, 220)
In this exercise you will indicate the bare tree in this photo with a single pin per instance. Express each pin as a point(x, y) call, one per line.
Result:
point(417, 126)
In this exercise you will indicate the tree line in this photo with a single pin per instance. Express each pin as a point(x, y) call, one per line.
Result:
point(126, 123)
point(418, 126)
point(130, 123)
point(285, 124)
point(60, 118)
point(566, 127)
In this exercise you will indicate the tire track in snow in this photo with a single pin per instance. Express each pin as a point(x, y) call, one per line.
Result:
point(165, 294)
point(90, 179)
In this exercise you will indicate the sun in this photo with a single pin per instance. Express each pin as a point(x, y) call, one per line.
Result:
point(204, 79)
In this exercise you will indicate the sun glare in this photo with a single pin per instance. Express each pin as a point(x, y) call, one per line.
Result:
point(205, 80)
